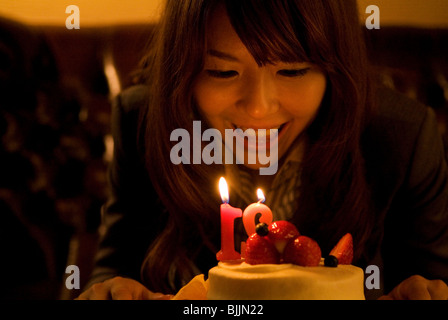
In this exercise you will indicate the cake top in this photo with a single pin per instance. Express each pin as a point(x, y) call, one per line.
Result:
point(281, 243)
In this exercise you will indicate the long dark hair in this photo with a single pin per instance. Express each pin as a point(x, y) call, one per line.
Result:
point(335, 196)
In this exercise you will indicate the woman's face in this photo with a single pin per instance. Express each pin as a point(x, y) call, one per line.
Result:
point(233, 91)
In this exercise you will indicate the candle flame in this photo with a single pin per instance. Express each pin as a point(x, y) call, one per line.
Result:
point(260, 195)
point(223, 190)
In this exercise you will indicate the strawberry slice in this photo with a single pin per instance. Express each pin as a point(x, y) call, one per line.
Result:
point(303, 251)
point(344, 250)
point(281, 232)
point(260, 250)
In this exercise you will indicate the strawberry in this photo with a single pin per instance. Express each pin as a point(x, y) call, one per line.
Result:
point(281, 232)
point(343, 251)
point(260, 250)
point(303, 251)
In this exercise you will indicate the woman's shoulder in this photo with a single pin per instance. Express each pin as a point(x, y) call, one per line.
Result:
point(395, 107)
point(399, 126)
point(398, 117)
point(133, 98)
point(127, 113)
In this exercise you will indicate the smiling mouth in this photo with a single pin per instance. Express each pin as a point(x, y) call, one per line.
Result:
point(259, 131)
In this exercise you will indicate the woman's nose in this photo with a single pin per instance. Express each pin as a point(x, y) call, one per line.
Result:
point(259, 97)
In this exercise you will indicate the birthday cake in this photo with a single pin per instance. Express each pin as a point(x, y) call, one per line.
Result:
point(281, 264)
point(284, 282)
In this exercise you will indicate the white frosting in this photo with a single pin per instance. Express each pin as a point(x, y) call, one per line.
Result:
point(285, 282)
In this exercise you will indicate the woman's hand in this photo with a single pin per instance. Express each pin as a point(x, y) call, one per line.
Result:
point(119, 288)
point(418, 288)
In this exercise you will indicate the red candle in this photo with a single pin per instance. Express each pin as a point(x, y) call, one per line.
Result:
point(228, 215)
point(251, 212)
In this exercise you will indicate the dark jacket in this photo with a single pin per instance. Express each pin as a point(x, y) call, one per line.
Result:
point(405, 164)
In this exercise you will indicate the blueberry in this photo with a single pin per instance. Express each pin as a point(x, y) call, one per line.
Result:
point(331, 261)
point(262, 229)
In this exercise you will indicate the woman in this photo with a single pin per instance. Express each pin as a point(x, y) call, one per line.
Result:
point(351, 158)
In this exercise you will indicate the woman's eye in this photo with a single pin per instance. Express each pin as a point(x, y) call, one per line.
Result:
point(222, 74)
point(291, 73)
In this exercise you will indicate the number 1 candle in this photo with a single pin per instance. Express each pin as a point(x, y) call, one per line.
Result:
point(228, 215)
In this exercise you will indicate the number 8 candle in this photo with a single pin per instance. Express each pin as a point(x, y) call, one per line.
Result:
point(228, 215)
